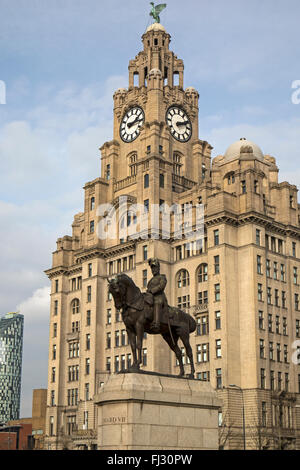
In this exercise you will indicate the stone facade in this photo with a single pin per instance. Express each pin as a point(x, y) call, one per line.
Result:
point(241, 285)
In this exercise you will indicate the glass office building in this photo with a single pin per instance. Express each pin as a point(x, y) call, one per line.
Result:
point(11, 348)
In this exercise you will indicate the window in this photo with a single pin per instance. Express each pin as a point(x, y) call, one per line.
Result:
point(75, 306)
point(108, 340)
point(107, 173)
point(270, 323)
point(275, 270)
point(218, 320)
point(202, 273)
point(88, 318)
point(203, 297)
point(260, 292)
point(297, 328)
point(52, 399)
point(279, 381)
point(123, 337)
point(271, 351)
point(218, 349)
point(202, 325)
point(87, 391)
point(183, 302)
point(54, 330)
point(117, 339)
point(264, 414)
point(145, 278)
point(283, 299)
point(88, 342)
point(85, 420)
point(297, 302)
point(203, 353)
point(183, 279)
point(55, 307)
point(129, 360)
point(73, 349)
point(259, 266)
point(117, 363)
point(218, 378)
point(284, 326)
point(54, 351)
point(285, 354)
point(161, 180)
point(217, 264)
point(286, 381)
point(108, 316)
point(256, 186)
point(108, 364)
point(269, 295)
point(56, 285)
point(262, 378)
point(87, 366)
point(92, 226)
point(89, 293)
point(294, 249)
point(282, 272)
point(144, 357)
point(146, 180)
point(243, 185)
point(257, 237)
point(217, 292)
point(261, 320)
point(295, 277)
point(51, 426)
point(53, 374)
point(92, 203)
point(268, 268)
point(277, 325)
point(145, 253)
point(146, 205)
point(262, 349)
point(90, 270)
point(216, 237)
point(278, 352)
point(276, 298)
point(272, 380)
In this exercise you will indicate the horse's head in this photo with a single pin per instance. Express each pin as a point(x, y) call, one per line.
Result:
point(123, 290)
point(118, 291)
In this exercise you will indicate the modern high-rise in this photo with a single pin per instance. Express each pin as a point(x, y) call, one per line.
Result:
point(241, 284)
point(11, 347)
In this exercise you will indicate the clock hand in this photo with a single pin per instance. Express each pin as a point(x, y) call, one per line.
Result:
point(180, 123)
point(130, 124)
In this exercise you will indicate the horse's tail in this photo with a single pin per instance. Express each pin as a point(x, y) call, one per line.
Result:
point(192, 323)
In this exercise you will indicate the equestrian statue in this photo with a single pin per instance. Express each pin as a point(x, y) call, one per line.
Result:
point(150, 313)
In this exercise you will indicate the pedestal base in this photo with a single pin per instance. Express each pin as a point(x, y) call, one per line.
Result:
point(149, 412)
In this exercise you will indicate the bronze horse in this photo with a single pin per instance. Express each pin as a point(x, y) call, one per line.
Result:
point(137, 315)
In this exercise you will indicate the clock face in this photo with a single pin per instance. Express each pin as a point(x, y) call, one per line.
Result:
point(179, 124)
point(131, 124)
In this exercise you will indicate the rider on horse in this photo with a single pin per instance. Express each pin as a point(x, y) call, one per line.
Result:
point(156, 287)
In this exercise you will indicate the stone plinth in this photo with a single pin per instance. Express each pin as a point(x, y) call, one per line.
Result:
point(139, 411)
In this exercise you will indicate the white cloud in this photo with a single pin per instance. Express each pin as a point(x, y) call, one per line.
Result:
point(37, 306)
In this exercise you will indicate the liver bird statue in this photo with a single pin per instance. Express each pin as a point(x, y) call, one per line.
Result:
point(156, 10)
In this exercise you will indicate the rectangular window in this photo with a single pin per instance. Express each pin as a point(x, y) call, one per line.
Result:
point(56, 285)
point(54, 351)
point(269, 295)
point(123, 362)
point(216, 237)
point(107, 172)
point(297, 302)
point(217, 264)
point(89, 293)
point(279, 381)
point(90, 270)
point(217, 292)
point(203, 297)
point(117, 364)
point(262, 349)
point(284, 326)
point(53, 374)
point(92, 204)
point(218, 320)
point(146, 181)
point(297, 328)
point(282, 272)
point(261, 320)
point(260, 292)
point(123, 337)
point(146, 205)
point(278, 352)
point(55, 307)
point(87, 366)
point(257, 237)
point(285, 353)
point(264, 414)
point(270, 323)
point(243, 184)
point(51, 426)
point(108, 340)
point(52, 399)
point(275, 270)
point(117, 339)
point(145, 278)
point(272, 380)
point(294, 249)
point(92, 226)
point(283, 299)
point(276, 298)
point(259, 266)
point(88, 318)
point(218, 349)
point(108, 364)
point(262, 378)
point(268, 268)
point(87, 392)
point(144, 357)
point(271, 351)
point(145, 253)
point(54, 330)
point(161, 180)
point(88, 342)
point(108, 316)
point(218, 378)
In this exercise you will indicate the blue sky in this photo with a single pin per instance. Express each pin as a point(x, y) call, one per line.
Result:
point(61, 61)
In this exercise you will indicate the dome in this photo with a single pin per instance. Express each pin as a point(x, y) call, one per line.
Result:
point(156, 27)
point(243, 146)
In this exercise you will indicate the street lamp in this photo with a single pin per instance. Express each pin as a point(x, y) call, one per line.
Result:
point(244, 428)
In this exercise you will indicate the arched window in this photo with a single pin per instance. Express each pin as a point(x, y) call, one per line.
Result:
point(203, 272)
point(75, 305)
point(183, 279)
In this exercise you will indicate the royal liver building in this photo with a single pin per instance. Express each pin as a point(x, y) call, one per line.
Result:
point(240, 282)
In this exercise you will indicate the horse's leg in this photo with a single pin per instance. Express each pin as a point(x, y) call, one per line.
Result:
point(174, 346)
point(185, 338)
point(139, 339)
point(132, 340)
